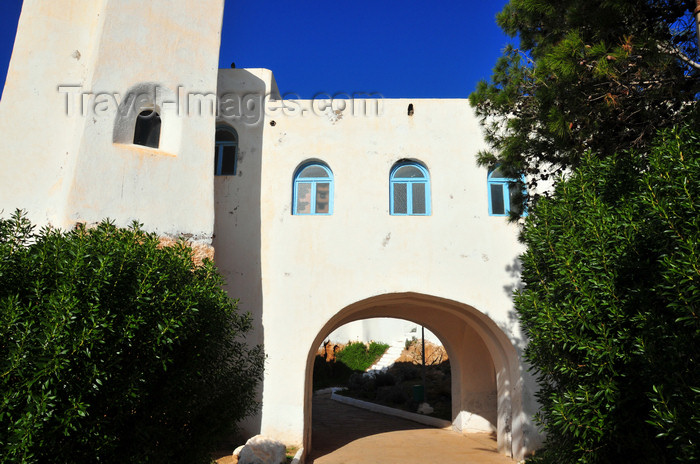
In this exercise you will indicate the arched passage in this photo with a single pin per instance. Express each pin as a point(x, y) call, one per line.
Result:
point(486, 389)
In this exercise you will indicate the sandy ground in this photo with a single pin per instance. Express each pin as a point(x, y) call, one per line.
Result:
point(343, 434)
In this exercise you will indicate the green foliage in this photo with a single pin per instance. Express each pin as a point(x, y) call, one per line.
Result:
point(611, 305)
point(409, 343)
point(600, 76)
point(360, 357)
point(330, 374)
point(115, 350)
point(395, 387)
point(356, 357)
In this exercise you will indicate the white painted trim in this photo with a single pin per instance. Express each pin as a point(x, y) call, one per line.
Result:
point(298, 456)
point(420, 418)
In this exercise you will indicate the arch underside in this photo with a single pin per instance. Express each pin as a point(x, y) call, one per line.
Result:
point(486, 386)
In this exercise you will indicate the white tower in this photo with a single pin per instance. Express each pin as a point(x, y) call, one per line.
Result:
point(74, 146)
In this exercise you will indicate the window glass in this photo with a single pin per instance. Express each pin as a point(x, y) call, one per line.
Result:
point(409, 189)
point(303, 198)
point(497, 203)
point(313, 190)
point(515, 198)
point(498, 174)
point(322, 197)
point(408, 172)
point(225, 151)
point(147, 129)
point(504, 194)
point(225, 135)
point(418, 198)
point(313, 171)
point(228, 161)
point(400, 198)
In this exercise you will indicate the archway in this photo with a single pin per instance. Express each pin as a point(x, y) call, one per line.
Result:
point(486, 389)
point(409, 366)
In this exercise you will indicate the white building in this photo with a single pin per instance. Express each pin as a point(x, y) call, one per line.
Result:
point(320, 213)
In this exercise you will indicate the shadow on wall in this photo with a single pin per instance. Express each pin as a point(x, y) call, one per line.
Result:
point(513, 271)
point(237, 226)
point(520, 341)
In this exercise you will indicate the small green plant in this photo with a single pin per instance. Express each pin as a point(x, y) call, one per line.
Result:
point(410, 343)
point(114, 349)
point(290, 452)
point(360, 357)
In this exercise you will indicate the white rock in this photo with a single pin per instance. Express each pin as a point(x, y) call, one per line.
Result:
point(262, 450)
point(424, 408)
point(237, 451)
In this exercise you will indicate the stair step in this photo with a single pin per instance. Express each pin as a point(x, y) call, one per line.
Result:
point(389, 357)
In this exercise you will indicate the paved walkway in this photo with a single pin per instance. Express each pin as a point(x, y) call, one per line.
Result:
point(343, 434)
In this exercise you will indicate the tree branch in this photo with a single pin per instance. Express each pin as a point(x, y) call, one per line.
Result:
point(678, 54)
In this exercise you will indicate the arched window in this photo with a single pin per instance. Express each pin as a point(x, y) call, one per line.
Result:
point(147, 129)
point(225, 151)
point(505, 194)
point(313, 190)
point(409, 185)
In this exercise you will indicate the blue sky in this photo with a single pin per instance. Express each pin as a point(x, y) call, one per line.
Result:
point(408, 48)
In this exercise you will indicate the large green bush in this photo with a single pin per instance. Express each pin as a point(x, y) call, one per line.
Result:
point(114, 349)
point(611, 306)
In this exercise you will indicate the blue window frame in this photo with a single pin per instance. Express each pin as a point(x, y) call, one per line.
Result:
point(225, 151)
point(409, 190)
point(504, 194)
point(313, 190)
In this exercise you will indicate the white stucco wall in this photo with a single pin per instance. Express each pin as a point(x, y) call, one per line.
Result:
point(312, 267)
point(301, 277)
point(380, 329)
point(72, 62)
point(237, 198)
point(39, 142)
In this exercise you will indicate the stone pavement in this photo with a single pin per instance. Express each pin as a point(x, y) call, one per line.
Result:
point(343, 434)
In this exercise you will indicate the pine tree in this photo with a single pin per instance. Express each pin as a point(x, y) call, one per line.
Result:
point(599, 76)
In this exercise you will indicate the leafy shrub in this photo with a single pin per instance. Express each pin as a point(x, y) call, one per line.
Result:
point(360, 357)
point(115, 350)
point(384, 379)
point(354, 357)
point(611, 304)
point(392, 388)
point(357, 381)
point(330, 374)
point(406, 371)
point(362, 385)
point(393, 395)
